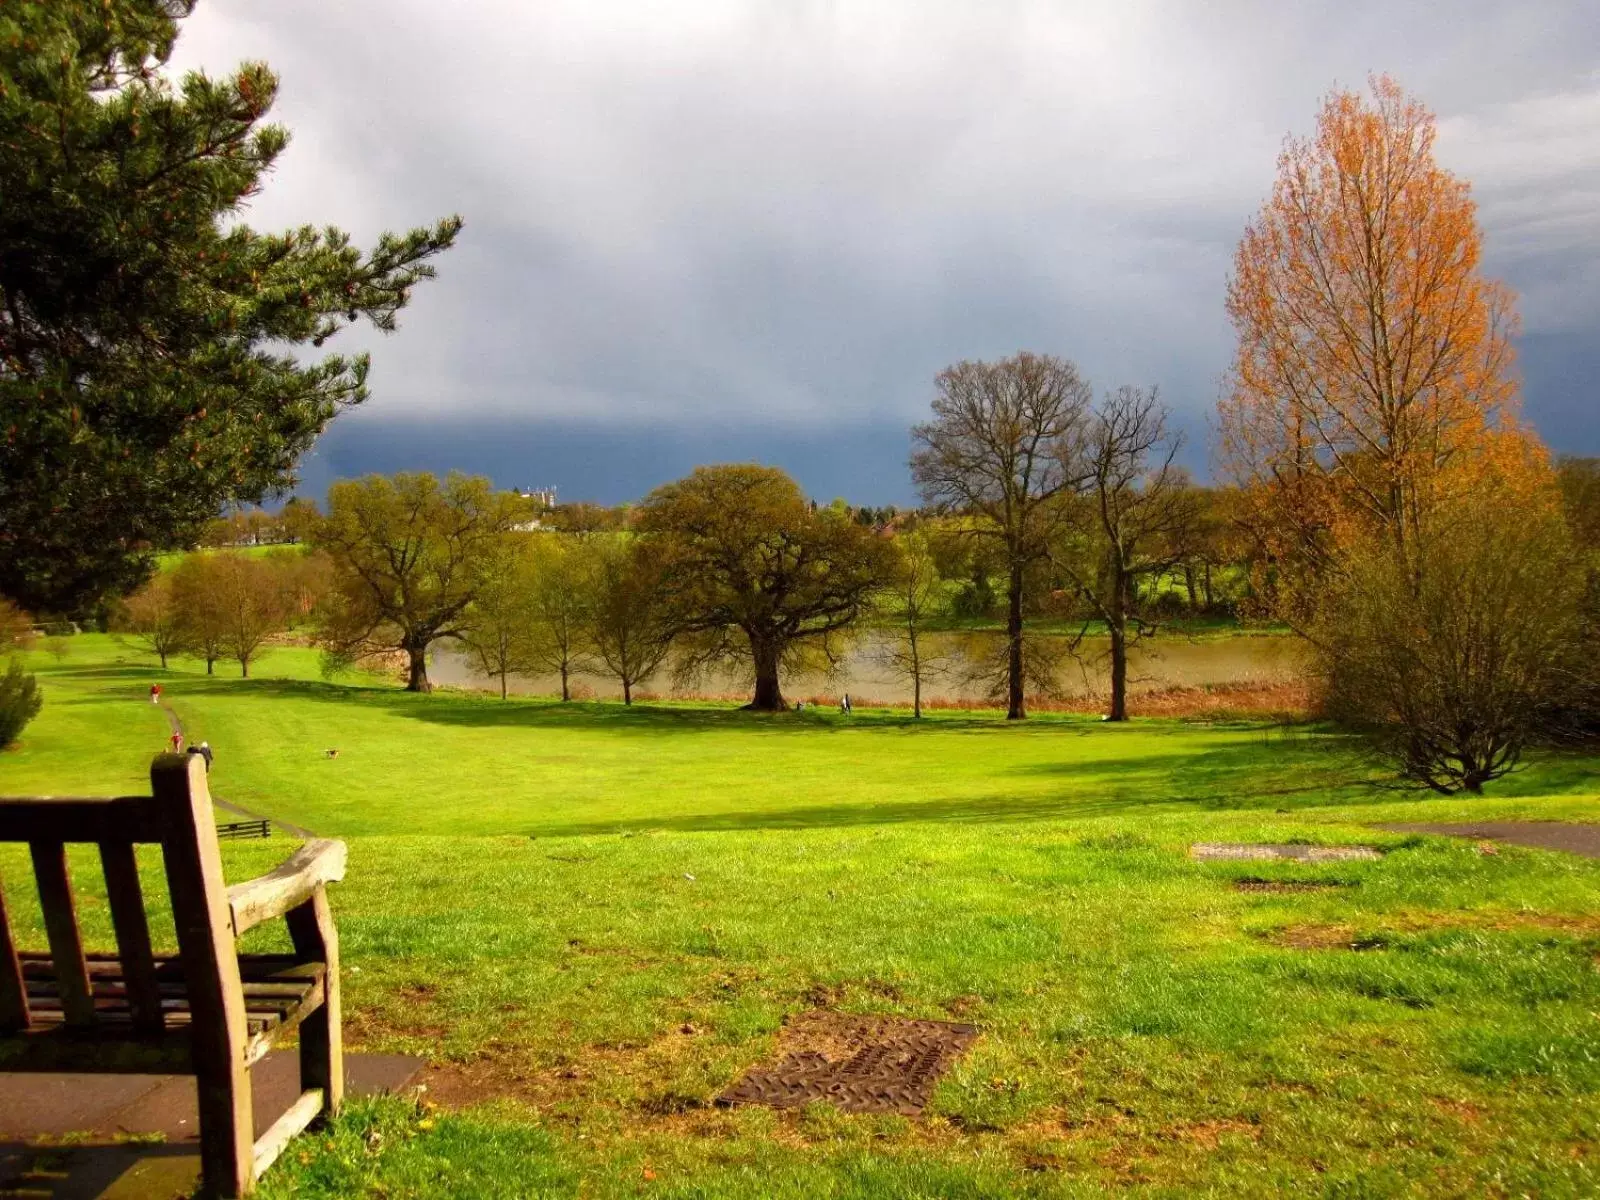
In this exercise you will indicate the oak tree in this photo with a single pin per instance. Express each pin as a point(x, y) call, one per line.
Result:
point(406, 552)
point(752, 572)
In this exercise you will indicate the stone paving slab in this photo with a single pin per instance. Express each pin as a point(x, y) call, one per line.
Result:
point(1541, 835)
point(1250, 852)
point(43, 1107)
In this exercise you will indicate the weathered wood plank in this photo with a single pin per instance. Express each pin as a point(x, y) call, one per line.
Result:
point(62, 1049)
point(133, 932)
point(211, 964)
point(61, 926)
point(301, 1113)
point(291, 883)
point(78, 819)
point(13, 998)
point(316, 938)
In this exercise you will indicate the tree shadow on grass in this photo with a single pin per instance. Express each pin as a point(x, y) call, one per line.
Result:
point(1229, 777)
point(954, 810)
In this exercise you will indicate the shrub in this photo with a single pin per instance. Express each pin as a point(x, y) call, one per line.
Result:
point(20, 702)
point(1450, 650)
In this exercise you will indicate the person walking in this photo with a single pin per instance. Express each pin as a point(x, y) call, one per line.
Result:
point(176, 741)
point(204, 751)
point(844, 705)
point(155, 693)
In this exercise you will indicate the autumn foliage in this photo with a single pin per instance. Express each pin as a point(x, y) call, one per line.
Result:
point(1374, 372)
point(1372, 424)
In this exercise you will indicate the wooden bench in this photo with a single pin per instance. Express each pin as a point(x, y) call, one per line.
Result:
point(209, 1011)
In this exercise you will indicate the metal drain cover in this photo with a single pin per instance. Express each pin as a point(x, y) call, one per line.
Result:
point(857, 1064)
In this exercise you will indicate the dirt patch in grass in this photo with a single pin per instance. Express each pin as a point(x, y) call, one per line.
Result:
point(1317, 937)
point(1288, 885)
point(505, 1072)
point(1313, 936)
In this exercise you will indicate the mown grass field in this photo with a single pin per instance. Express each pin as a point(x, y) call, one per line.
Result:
point(595, 919)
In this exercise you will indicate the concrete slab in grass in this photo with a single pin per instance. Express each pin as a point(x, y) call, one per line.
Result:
point(1249, 852)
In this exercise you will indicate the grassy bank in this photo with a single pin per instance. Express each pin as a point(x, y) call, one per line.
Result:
point(593, 920)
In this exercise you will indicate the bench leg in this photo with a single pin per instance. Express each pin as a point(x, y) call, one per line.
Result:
point(227, 1130)
point(321, 1038)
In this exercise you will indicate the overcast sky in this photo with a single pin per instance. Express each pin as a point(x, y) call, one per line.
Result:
point(701, 230)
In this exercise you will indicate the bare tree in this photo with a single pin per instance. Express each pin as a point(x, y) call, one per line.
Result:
point(631, 626)
point(498, 629)
point(202, 618)
point(912, 597)
point(1133, 512)
point(999, 449)
point(153, 616)
point(249, 596)
point(561, 603)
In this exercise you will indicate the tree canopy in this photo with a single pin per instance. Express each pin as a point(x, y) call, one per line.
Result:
point(1000, 449)
point(751, 570)
point(147, 365)
point(407, 556)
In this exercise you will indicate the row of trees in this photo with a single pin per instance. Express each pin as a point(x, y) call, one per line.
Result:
point(225, 604)
point(731, 562)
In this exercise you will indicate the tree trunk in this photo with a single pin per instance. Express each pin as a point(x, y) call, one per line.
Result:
point(417, 676)
point(1207, 578)
point(566, 692)
point(244, 668)
point(1119, 673)
point(627, 692)
point(1015, 711)
point(210, 662)
point(1188, 582)
point(916, 696)
point(502, 685)
point(769, 696)
point(1117, 626)
point(163, 660)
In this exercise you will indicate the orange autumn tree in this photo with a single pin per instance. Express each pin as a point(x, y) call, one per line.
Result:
point(1374, 372)
point(1372, 424)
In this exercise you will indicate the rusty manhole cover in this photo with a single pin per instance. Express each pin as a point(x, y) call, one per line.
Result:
point(857, 1064)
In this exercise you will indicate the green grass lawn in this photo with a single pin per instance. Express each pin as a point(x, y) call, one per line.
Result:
point(594, 919)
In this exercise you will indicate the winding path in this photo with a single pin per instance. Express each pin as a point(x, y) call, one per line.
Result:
point(175, 722)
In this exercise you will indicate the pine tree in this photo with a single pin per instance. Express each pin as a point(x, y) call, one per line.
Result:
point(144, 378)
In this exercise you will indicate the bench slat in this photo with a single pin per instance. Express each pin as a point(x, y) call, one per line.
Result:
point(79, 819)
point(61, 925)
point(13, 1000)
point(133, 931)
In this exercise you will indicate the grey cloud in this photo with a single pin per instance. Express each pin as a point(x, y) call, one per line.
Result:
point(699, 214)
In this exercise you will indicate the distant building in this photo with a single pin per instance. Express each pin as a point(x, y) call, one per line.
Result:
point(544, 498)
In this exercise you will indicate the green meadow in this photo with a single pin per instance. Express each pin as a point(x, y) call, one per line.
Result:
point(592, 919)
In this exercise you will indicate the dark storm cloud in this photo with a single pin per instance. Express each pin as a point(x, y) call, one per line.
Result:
point(698, 223)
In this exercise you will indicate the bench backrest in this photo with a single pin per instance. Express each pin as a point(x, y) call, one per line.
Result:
point(177, 815)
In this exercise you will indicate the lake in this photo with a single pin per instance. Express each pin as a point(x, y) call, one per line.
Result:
point(1158, 664)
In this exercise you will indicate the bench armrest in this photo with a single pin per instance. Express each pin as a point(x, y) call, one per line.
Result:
point(292, 883)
